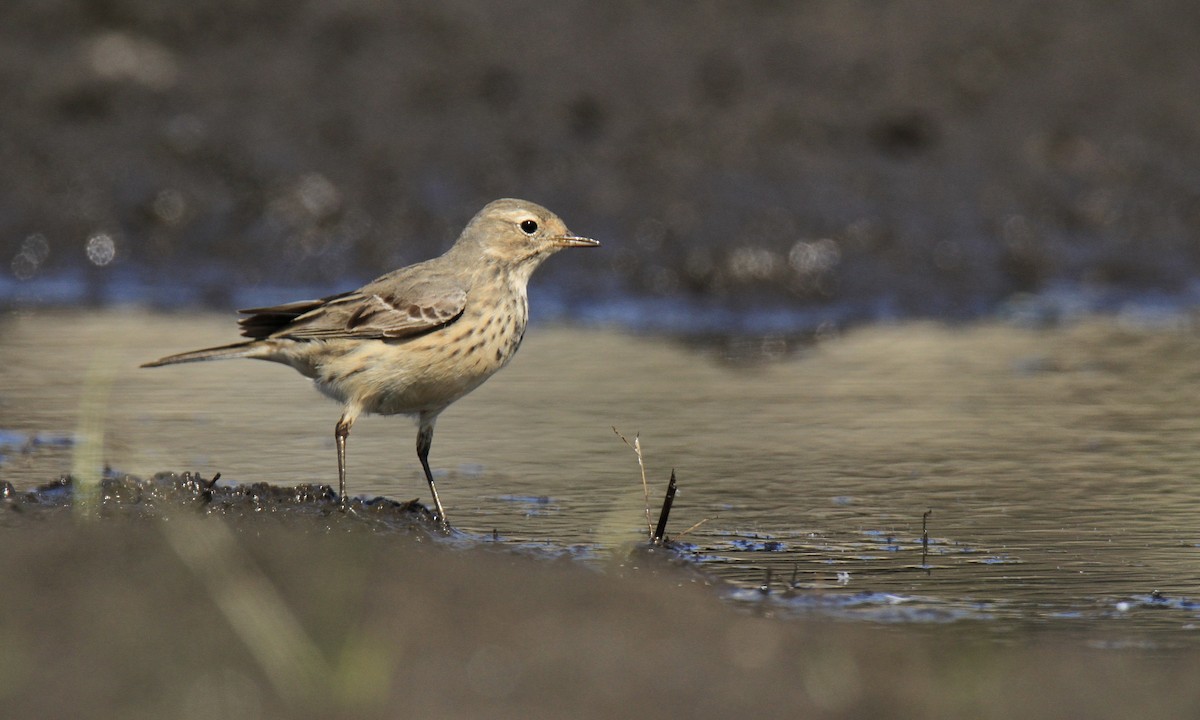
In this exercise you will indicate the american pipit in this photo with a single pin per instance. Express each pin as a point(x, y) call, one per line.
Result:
point(417, 339)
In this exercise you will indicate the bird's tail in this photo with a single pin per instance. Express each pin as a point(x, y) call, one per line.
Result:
point(250, 348)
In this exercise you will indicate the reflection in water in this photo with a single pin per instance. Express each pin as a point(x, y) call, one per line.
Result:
point(1059, 465)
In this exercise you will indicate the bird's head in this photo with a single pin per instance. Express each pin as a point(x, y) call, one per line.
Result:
point(519, 234)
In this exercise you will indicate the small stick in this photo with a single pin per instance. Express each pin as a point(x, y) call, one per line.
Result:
point(661, 530)
point(685, 532)
point(925, 539)
point(206, 489)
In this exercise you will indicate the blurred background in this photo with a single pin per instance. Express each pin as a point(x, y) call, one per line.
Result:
point(758, 172)
point(748, 166)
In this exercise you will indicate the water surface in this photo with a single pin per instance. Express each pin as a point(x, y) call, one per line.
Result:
point(1057, 465)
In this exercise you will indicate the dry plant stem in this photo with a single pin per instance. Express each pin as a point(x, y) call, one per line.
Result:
point(254, 608)
point(637, 449)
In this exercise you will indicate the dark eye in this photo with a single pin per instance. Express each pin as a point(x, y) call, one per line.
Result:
point(528, 227)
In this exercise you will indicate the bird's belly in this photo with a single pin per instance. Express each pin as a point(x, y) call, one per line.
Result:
point(423, 374)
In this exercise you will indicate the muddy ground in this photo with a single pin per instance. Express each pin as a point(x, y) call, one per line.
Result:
point(144, 608)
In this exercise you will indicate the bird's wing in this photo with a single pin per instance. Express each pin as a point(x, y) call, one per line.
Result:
point(261, 322)
point(394, 306)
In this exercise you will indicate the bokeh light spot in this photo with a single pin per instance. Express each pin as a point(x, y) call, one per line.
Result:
point(101, 249)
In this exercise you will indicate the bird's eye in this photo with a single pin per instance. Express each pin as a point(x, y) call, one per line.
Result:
point(528, 227)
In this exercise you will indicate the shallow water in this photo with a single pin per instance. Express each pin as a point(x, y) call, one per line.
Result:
point(1058, 465)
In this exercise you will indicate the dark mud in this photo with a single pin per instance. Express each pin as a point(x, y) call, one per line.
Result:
point(167, 494)
point(150, 611)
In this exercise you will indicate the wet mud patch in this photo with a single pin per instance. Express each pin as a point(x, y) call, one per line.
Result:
point(167, 494)
point(265, 601)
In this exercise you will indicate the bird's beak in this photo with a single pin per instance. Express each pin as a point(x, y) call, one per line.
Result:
point(576, 241)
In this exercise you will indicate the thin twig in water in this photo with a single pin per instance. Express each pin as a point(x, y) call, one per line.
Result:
point(765, 588)
point(660, 531)
point(206, 488)
point(685, 532)
point(637, 449)
point(925, 539)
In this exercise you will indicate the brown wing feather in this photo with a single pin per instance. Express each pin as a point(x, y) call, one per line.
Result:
point(389, 307)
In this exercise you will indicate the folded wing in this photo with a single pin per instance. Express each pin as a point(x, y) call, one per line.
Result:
point(386, 308)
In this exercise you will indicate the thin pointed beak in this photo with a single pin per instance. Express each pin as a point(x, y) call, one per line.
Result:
point(576, 241)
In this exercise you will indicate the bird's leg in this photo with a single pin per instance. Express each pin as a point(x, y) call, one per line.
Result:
point(424, 441)
point(340, 432)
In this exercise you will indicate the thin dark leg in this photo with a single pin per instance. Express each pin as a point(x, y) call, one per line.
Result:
point(340, 432)
point(424, 441)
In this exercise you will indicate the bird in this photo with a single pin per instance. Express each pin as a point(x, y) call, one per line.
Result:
point(417, 339)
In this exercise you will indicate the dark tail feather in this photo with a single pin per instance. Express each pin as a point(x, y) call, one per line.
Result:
point(265, 321)
point(242, 349)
